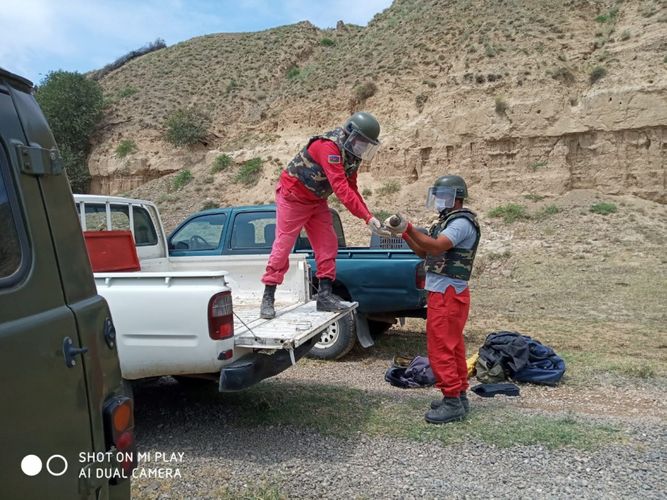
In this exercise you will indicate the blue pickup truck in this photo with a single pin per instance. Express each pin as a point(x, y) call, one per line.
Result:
point(388, 283)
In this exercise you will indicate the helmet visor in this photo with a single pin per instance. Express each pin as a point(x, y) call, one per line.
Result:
point(361, 146)
point(440, 197)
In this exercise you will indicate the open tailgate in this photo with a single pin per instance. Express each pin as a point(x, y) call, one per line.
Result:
point(292, 326)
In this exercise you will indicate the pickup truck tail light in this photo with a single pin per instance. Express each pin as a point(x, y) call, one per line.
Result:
point(220, 317)
point(119, 430)
point(420, 276)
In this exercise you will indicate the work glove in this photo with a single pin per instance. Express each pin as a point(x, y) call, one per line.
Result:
point(396, 224)
point(376, 228)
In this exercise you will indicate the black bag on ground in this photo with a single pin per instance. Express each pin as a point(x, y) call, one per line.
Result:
point(417, 374)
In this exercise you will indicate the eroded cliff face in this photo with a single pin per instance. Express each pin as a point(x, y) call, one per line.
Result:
point(502, 94)
point(614, 141)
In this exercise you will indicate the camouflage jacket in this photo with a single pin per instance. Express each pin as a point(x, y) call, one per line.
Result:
point(311, 174)
point(455, 262)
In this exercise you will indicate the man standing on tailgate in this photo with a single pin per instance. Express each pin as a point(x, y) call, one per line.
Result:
point(327, 164)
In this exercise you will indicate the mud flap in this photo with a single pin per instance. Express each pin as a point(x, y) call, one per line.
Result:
point(363, 332)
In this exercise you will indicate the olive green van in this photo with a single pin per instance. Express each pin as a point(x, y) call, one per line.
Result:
point(64, 421)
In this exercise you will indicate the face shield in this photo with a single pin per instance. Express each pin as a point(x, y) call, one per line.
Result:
point(361, 146)
point(440, 198)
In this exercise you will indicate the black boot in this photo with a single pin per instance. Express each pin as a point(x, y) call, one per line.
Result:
point(327, 301)
point(266, 310)
point(464, 402)
point(450, 410)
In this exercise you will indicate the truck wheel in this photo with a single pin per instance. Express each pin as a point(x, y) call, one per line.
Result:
point(336, 341)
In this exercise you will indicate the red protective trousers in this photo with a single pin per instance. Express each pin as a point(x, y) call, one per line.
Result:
point(293, 213)
point(447, 315)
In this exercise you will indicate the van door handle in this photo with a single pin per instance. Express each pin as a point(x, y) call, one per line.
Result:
point(70, 352)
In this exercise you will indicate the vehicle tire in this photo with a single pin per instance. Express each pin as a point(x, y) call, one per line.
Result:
point(378, 327)
point(336, 341)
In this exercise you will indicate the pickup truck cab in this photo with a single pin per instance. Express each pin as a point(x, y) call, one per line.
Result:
point(386, 282)
point(195, 316)
point(61, 382)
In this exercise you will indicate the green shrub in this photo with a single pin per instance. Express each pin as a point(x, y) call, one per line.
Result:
point(547, 211)
point(221, 163)
point(534, 197)
point(625, 35)
point(537, 165)
point(186, 127)
point(293, 72)
point(249, 172)
point(367, 192)
point(73, 106)
point(607, 17)
point(597, 73)
point(390, 187)
point(510, 212)
point(603, 208)
point(182, 179)
point(327, 42)
point(126, 147)
point(231, 86)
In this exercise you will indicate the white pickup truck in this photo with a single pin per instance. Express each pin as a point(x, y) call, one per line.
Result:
point(197, 316)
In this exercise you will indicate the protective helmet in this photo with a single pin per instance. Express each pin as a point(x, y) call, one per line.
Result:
point(445, 191)
point(363, 132)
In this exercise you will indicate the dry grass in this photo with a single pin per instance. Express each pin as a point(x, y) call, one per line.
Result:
point(237, 77)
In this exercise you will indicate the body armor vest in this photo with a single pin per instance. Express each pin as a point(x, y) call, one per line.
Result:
point(456, 262)
point(311, 174)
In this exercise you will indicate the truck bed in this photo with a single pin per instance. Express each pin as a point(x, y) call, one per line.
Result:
point(252, 331)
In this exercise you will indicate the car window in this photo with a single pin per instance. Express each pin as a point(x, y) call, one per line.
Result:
point(144, 229)
point(10, 245)
point(201, 233)
point(253, 230)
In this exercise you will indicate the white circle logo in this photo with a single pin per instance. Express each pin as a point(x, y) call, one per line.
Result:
point(64, 465)
point(31, 465)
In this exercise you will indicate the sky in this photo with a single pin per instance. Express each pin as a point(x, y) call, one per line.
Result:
point(39, 36)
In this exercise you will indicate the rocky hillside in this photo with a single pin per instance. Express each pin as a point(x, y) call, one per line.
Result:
point(522, 97)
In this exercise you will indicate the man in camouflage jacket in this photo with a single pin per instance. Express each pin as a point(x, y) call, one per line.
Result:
point(449, 252)
point(327, 164)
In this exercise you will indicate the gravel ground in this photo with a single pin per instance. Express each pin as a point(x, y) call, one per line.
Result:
point(306, 465)
point(223, 459)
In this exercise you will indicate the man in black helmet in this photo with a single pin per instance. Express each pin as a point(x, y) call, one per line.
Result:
point(327, 164)
point(449, 252)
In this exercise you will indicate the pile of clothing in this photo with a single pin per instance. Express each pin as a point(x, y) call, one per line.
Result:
point(510, 355)
point(504, 356)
